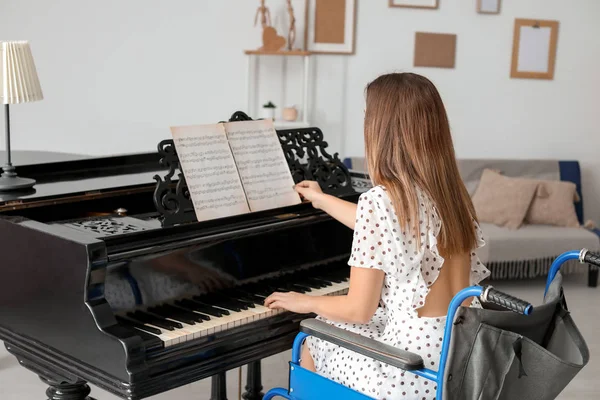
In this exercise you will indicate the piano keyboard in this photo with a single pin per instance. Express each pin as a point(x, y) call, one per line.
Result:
point(186, 319)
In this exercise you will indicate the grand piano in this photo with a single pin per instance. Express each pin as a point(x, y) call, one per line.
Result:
point(108, 278)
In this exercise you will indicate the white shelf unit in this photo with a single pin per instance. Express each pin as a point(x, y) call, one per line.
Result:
point(252, 107)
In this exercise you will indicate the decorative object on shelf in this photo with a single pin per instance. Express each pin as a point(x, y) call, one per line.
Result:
point(271, 40)
point(330, 26)
point(290, 113)
point(268, 110)
point(292, 31)
point(19, 83)
point(488, 6)
point(265, 15)
point(253, 106)
point(431, 4)
point(534, 49)
point(435, 50)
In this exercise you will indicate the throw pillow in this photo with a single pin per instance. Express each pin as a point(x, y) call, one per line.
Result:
point(554, 205)
point(503, 201)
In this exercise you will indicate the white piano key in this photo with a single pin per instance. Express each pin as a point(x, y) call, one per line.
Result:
point(169, 338)
point(235, 318)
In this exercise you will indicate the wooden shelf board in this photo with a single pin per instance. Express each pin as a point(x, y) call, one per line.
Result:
point(278, 53)
point(291, 124)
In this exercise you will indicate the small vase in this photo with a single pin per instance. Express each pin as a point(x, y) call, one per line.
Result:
point(290, 113)
point(268, 112)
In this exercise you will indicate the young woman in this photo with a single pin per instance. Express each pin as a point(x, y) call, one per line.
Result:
point(415, 235)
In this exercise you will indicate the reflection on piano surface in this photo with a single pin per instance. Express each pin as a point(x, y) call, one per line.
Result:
point(203, 291)
point(89, 294)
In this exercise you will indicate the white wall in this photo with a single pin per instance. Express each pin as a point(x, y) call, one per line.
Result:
point(116, 74)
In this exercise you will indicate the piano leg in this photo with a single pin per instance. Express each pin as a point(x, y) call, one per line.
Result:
point(253, 382)
point(67, 391)
point(219, 387)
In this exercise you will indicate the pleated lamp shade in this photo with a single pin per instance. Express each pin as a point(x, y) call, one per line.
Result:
point(19, 83)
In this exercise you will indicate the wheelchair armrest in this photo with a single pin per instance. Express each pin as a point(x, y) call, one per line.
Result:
point(363, 345)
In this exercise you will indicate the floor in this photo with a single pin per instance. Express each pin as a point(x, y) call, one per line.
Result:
point(16, 383)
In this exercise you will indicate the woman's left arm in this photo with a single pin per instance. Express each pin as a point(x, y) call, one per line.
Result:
point(371, 259)
point(358, 306)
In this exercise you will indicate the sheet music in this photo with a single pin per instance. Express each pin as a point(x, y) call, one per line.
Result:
point(262, 165)
point(210, 171)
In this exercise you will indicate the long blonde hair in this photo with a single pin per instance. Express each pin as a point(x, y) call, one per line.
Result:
point(408, 145)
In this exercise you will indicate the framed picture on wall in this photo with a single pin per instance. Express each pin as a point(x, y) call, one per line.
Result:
point(415, 3)
point(330, 26)
point(488, 6)
point(534, 49)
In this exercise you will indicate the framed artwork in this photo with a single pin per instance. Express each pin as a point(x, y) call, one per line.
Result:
point(436, 50)
point(488, 6)
point(433, 4)
point(534, 49)
point(330, 26)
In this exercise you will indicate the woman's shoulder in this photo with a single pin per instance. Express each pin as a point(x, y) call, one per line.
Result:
point(377, 196)
point(377, 191)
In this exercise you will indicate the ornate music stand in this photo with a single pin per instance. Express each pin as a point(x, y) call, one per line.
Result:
point(304, 151)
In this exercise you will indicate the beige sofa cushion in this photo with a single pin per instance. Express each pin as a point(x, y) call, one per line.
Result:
point(554, 204)
point(503, 201)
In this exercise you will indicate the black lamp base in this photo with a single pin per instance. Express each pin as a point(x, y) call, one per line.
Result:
point(12, 183)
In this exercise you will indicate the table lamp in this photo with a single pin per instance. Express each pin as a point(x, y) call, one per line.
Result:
point(18, 84)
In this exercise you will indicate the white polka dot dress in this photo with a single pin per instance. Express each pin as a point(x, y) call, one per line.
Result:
point(380, 242)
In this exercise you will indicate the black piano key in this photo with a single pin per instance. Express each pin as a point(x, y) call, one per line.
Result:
point(248, 303)
point(154, 320)
point(254, 290)
point(196, 316)
point(334, 278)
point(275, 287)
point(135, 324)
point(248, 295)
point(293, 288)
point(313, 283)
point(151, 341)
point(200, 307)
point(325, 280)
point(190, 313)
point(222, 303)
point(171, 314)
point(235, 300)
point(254, 299)
point(264, 290)
point(306, 288)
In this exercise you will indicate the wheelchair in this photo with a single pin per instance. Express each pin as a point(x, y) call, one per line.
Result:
point(508, 349)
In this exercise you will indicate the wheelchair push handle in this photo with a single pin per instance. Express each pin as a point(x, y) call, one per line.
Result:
point(491, 295)
point(590, 257)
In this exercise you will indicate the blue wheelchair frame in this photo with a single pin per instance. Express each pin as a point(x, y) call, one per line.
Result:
point(305, 384)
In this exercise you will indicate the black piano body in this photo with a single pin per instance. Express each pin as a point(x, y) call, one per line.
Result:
point(96, 288)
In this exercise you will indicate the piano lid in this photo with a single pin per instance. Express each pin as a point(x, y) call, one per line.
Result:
point(72, 177)
point(32, 157)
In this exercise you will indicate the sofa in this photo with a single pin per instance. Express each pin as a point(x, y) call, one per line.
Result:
point(526, 252)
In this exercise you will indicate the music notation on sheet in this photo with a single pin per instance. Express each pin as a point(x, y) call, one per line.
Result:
point(262, 165)
point(210, 171)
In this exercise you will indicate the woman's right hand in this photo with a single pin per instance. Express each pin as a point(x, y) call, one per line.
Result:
point(342, 210)
point(311, 191)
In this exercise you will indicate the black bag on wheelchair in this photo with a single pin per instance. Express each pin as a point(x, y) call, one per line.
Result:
point(499, 355)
